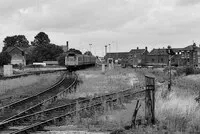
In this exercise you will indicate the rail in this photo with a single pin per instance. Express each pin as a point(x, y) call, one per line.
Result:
point(83, 104)
point(37, 107)
point(31, 97)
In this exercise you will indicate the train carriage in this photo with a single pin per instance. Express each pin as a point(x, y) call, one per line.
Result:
point(76, 61)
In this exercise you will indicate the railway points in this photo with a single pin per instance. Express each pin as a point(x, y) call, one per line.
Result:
point(34, 103)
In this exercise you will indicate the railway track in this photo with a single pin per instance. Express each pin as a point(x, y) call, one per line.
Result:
point(49, 116)
point(37, 102)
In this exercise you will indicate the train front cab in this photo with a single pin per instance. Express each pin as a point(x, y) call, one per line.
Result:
point(71, 61)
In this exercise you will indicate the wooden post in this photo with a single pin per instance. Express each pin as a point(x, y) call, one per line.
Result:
point(135, 114)
point(150, 100)
point(77, 111)
point(104, 106)
point(103, 68)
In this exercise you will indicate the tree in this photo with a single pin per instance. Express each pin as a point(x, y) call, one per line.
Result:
point(41, 39)
point(75, 51)
point(88, 53)
point(61, 59)
point(48, 52)
point(16, 40)
point(5, 58)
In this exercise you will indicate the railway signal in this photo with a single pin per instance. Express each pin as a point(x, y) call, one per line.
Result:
point(171, 54)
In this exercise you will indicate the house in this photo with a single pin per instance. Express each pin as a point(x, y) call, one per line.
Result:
point(160, 57)
point(65, 48)
point(117, 55)
point(191, 55)
point(137, 56)
point(18, 55)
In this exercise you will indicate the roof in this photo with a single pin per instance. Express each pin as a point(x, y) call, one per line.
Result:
point(137, 51)
point(177, 49)
point(190, 47)
point(117, 55)
point(162, 51)
point(23, 49)
point(9, 49)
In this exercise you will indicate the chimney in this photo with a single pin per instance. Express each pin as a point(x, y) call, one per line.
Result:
point(67, 45)
point(137, 47)
point(146, 48)
point(105, 49)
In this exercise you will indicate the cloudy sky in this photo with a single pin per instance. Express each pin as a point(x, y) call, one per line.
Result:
point(125, 24)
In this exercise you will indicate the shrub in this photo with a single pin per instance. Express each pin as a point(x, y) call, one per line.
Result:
point(61, 59)
point(5, 58)
point(187, 70)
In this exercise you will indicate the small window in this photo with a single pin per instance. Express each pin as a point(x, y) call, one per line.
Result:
point(161, 59)
point(152, 60)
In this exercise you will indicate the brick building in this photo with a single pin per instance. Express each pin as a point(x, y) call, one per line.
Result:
point(138, 56)
point(191, 56)
point(117, 55)
point(18, 55)
point(157, 57)
point(65, 48)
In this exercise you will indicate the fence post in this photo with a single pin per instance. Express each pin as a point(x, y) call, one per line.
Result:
point(150, 100)
point(77, 111)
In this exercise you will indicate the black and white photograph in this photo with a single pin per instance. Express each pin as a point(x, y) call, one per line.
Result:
point(99, 66)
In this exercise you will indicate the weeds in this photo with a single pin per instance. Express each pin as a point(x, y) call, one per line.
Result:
point(18, 88)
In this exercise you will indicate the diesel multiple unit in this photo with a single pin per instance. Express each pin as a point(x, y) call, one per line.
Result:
point(76, 61)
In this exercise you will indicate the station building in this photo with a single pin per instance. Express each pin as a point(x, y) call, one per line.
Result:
point(18, 55)
point(189, 55)
point(138, 56)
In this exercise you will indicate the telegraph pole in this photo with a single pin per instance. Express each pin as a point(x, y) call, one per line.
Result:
point(90, 47)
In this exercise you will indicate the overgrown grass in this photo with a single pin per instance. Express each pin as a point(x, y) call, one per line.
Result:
point(94, 82)
point(176, 111)
point(15, 89)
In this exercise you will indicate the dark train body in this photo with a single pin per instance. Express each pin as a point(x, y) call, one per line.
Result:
point(75, 61)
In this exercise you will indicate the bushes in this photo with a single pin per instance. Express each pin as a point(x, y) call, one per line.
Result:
point(4, 58)
point(187, 70)
point(61, 59)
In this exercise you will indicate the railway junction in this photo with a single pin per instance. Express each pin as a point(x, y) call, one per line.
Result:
point(90, 100)
point(53, 106)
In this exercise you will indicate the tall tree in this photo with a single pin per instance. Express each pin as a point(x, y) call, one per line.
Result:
point(48, 52)
point(4, 58)
point(61, 59)
point(41, 39)
point(16, 40)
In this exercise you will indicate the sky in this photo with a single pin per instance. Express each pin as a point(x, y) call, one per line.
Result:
point(125, 24)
